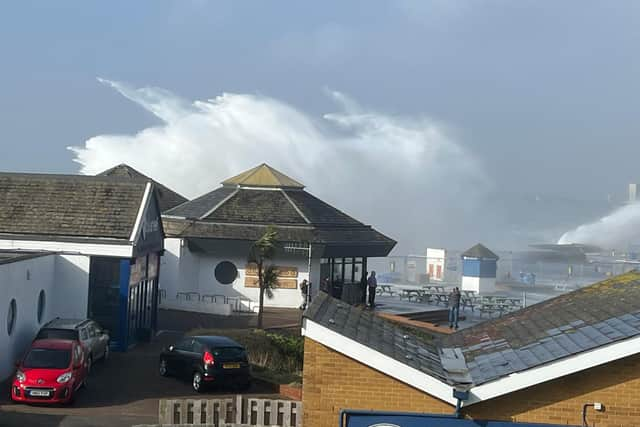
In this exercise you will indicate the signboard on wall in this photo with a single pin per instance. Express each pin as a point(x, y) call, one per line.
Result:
point(287, 277)
point(423, 420)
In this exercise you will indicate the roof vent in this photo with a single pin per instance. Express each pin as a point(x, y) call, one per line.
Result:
point(332, 322)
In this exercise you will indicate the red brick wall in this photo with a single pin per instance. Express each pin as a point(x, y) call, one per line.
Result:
point(332, 381)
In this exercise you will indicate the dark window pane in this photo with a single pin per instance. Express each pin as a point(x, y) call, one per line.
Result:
point(226, 272)
point(58, 334)
point(48, 359)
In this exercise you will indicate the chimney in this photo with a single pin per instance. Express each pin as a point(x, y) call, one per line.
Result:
point(633, 192)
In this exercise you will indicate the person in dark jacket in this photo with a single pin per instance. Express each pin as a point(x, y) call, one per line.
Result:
point(454, 308)
point(372, 284)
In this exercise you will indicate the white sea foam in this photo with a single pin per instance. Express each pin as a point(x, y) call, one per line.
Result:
point(614, 231)
point(405, 175)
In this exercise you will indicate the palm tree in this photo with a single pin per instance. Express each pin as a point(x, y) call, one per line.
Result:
point(261, 252)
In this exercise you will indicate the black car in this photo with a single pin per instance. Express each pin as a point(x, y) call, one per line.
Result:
point(207, 360)
point(93, 338)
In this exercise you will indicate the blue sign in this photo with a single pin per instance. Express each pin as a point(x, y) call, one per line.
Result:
point(381, 419)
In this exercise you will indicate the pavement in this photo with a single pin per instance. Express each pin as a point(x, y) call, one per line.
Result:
point(125, 390)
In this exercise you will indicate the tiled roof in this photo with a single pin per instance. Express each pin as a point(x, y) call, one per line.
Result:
point(200, 206)
point(479, 251)
point(69, 205)
point(572, 323)
point(167, 198)
point(411, 347)
point(257, 207)
point(263, 176)
point(319, 212)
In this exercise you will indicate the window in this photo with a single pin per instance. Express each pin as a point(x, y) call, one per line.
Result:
point(41, 305)
point(184, 344)
point(197, 347)
point(59, 334)
point(11, 316)
point(226, 272)
point(84, 335)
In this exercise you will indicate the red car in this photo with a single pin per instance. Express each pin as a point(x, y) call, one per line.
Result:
point(52, 371)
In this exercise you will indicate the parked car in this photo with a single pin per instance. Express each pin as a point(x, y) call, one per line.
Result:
point(93, 338)
point(207, 360)
point(51, 372)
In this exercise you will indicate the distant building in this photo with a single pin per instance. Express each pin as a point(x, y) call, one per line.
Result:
point(479, 269)
point(436, 259)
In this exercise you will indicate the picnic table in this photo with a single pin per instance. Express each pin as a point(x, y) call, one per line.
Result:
point(416, 294)
point(385, 289)
point(188, 295)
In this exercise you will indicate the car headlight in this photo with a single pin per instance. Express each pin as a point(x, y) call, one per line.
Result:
point(20, 376)
point(64, 377)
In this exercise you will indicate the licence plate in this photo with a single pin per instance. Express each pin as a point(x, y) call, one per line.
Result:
point(230, 365)
point(42, 393)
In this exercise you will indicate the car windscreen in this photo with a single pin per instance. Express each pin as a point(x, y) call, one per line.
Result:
point(229, 353)
point(45, 358)
point(58, 334)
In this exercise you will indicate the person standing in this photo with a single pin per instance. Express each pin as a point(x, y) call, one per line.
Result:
point(372, 284)
point(304, 289)
point(454, 308)
point(363, 289)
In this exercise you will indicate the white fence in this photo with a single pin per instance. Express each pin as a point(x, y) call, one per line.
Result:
point(238, 411)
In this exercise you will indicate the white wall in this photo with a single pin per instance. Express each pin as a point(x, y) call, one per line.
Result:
point(72, 285)
point(25, 287)
point(480, 285)
point(183, 270)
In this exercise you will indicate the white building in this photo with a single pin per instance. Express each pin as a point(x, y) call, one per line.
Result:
point(77, 247)
point(479, 268)
point(208, 242)
point(436, 260)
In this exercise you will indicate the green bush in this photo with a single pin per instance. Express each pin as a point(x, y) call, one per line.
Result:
point(273, 355)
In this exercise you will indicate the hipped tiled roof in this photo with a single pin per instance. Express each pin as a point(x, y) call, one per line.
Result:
point(167, 198)
point(69, 205)
point(480, 251)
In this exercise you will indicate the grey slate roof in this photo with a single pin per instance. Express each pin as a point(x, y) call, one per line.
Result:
point(167, 198)
point(479, 251)
point(257, 207)
point(572, 323)
point(363, 326)
point(69, 205)
point(199, 207)
point(576, 322)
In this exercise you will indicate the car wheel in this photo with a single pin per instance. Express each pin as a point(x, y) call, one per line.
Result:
point(85, 383)
point(89, 364)
point(164, 372)
point(197, 382)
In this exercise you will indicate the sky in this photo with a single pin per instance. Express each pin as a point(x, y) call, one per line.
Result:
point(524, 114)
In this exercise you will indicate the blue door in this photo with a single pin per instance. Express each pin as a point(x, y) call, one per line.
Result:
point(382, 419)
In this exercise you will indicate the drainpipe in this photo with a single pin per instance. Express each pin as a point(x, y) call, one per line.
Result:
point(461, 396)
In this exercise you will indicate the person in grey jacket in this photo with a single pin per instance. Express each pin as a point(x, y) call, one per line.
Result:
point(454, 308)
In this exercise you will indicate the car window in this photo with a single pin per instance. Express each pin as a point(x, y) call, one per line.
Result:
point(91, 330)
point(60, 334)
point(45, 358)
point(84, 334)
point(197, 347)
point(184, 344)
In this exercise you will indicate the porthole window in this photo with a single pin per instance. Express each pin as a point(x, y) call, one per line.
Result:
point(11, 316)
point(226, 272)
point(41, 305)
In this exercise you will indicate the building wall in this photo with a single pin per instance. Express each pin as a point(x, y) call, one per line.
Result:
point(23, 281)
point(184, 270)
point(71, 285)
point(332, 381)
point(481, 285)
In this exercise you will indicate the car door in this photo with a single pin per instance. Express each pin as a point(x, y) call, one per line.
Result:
point(101, 339)
point(180, 355)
